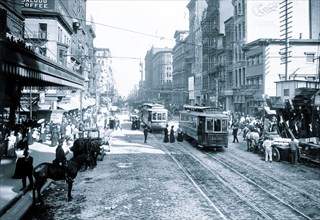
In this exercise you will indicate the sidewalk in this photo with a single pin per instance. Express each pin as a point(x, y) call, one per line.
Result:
point(10, 188)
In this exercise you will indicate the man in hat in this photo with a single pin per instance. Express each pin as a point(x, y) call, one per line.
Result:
point(61, 159)
point(27, 170)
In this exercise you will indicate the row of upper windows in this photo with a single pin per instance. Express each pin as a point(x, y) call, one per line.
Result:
point(240, 31)
point(239, 9)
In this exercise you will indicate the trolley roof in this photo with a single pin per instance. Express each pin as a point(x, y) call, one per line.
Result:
point(152, 105)
point(203, 111)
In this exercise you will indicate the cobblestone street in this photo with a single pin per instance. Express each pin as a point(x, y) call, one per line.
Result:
point(135, 181)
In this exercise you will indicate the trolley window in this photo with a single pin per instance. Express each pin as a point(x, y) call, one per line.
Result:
point(209, 124)
point(217, 125)
point(159, 116)
point(224, 125)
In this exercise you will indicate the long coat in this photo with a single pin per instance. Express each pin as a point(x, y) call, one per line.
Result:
point(24, 167)
point(172, 138)
point(166, 136)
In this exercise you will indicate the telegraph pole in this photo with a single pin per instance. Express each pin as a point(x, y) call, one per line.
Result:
point(285, 29)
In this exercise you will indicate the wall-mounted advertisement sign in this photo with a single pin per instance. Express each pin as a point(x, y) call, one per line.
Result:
point(41, 4)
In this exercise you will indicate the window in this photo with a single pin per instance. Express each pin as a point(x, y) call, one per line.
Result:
point(217, 125)
point(224, 125)
point(154, 116)
point(309, 57)
point(209, 124)
point(286, 92)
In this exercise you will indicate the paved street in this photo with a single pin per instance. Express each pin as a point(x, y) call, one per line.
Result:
point(135, 180)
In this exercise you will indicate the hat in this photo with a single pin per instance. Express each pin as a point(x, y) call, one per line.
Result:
point(61, 141)
point(25, 152)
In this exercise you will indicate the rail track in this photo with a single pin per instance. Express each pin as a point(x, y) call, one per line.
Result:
point(231, 191)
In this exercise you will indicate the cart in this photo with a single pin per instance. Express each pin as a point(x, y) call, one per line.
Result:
point(94, 135)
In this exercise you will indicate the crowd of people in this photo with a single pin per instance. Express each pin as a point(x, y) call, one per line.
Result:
point(254, 131)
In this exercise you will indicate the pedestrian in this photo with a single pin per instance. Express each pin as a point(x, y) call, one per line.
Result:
point(24, 169)
point(172, 138)
point(54, 136)
point(43, 133)
point(11, 145)
point(294, 150)
point(267, 144)
point(61, 160)
point(145, 132)
point(234, 127)
point(29, 136)
point(166, 135)
point(245, 131)
point(180, 135)
point(27, 170)
point(23, 145)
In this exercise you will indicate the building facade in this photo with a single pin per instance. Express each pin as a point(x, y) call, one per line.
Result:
point(34, 40)
point(194, 52)
point(214, 54)
point(179, 72)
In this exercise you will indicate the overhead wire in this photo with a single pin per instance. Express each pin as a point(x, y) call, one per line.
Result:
point(147, 34)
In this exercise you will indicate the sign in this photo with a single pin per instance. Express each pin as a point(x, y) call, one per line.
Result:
point(43, 4)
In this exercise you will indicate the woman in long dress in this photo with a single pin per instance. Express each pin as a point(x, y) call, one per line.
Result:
point(172, 138)
point(11, 144)
point(166, 135)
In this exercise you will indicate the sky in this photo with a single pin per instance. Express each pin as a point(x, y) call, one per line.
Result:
point(129, 28)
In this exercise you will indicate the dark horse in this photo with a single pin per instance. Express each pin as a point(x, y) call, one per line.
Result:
point(45, 171)
point(90, 147)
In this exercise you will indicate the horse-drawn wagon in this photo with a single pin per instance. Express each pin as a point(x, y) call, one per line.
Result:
point(280, 147)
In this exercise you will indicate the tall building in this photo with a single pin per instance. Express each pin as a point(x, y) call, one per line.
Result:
point(254, 20)
point(194, 52)
point(162, 74)
point(158, 74)
point(36, 41)
point(179, 72)
point(214, 53)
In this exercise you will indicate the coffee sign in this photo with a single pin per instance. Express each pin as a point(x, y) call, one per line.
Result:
point(42, 4)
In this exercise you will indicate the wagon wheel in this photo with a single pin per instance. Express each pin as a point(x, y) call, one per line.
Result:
point(298, 155)
point(261, 151)
point(275, 154)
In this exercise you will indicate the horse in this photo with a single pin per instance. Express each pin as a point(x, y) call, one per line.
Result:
point(89, 147)
point(252, 138)
point(45, 171)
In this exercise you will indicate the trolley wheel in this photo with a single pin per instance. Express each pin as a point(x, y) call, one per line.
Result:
point(275, 154)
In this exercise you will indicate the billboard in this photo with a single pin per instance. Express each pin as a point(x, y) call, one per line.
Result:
point(263, 19)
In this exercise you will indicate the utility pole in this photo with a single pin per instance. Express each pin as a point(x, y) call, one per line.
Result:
point(285, 29)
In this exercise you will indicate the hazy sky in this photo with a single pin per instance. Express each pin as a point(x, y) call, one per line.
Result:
point(129, 28)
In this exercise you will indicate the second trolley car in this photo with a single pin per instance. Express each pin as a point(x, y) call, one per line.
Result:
point(154, 116)
point(204, 126)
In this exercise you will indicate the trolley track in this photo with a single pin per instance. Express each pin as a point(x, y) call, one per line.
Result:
point(285, 193)
point(229, 200)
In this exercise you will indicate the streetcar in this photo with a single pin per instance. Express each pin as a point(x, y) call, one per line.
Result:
point(154, 116)
point(204, 126)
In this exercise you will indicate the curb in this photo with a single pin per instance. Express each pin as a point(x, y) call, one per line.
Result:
point(20, 204)
point(13, 209)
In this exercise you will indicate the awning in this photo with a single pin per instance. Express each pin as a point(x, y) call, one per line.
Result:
point(87, 102)
point(68, 106)
point(37, 107)
point(24, 109)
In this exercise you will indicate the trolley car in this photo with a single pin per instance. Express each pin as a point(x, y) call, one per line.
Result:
point(204, 126)
point(154, 116)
